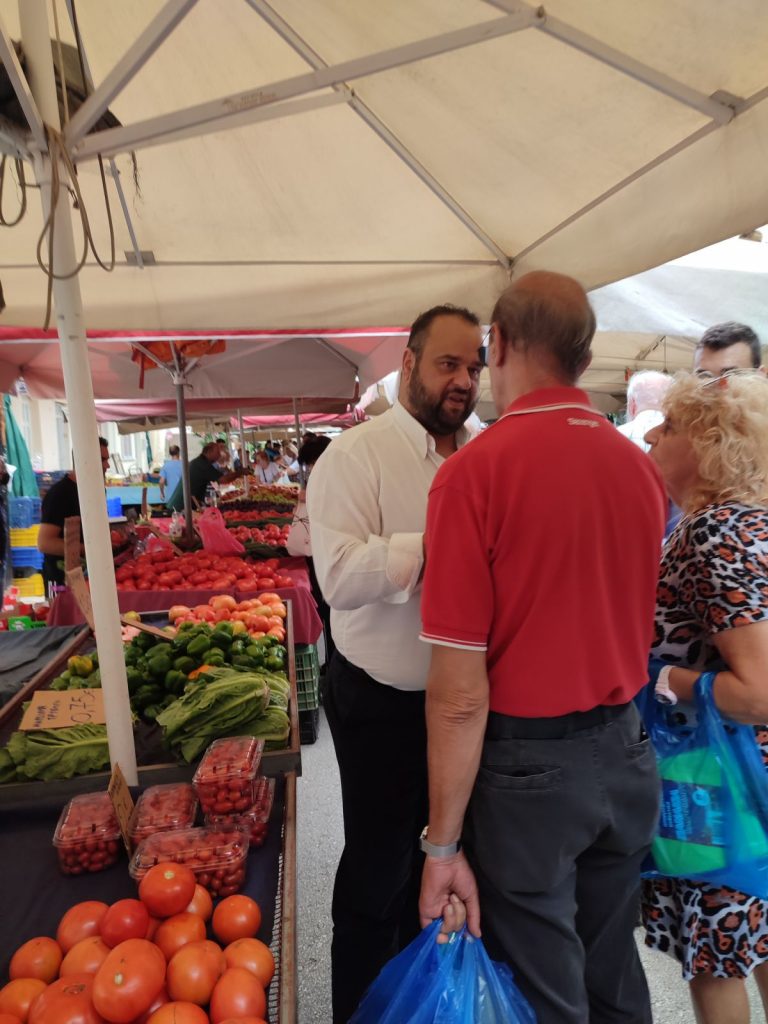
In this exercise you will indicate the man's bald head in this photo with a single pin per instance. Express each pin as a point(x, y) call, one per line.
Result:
point(548, 316)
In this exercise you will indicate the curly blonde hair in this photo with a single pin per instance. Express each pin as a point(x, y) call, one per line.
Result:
point(726, 421)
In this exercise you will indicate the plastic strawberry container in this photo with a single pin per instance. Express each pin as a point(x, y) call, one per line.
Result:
point(163, 808)
point(87, 836)
point(256, 819)
point(225, 780)
point(216, 854)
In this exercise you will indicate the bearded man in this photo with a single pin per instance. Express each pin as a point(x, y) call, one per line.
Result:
point(367, 503)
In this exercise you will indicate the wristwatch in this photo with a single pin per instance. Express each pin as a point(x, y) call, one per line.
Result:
point(432, 850)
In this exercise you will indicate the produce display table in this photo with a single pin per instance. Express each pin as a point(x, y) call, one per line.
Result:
point(35, 894)
point(133, 495)
point(25, 653)
point(307, 624)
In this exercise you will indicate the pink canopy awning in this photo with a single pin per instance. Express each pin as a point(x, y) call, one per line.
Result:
point(277, 365)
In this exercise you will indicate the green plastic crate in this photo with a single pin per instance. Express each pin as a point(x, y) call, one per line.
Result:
point(307, 676)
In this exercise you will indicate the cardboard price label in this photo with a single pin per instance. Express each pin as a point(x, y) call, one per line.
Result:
point(122, 803)
point(61, 709)
point(78, 586)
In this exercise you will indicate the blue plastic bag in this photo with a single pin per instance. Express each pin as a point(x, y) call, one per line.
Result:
point(713, 825)
point(453, 983)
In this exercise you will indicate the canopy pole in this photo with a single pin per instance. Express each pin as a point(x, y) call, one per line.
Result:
point(181, 415)
point(297, 422)
point(78, 386)
point(243, 451)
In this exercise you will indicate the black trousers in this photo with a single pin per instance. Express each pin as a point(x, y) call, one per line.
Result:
point(561, 817)
point(380, 738)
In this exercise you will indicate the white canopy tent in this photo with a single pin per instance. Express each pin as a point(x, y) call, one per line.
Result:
point(378, 158)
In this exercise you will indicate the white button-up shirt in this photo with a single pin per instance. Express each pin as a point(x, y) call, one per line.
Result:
point(367, 504)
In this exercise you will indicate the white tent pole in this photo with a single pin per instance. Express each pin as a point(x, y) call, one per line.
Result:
point(82, 419)
point(297, 422)
point(178, 378)
point(244, 462)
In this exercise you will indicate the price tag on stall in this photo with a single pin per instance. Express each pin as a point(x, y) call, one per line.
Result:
point(72, 543)
point(122, 803)
point(81, 593)
point(61, 709)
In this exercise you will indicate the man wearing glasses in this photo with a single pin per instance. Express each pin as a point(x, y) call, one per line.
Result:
point(60, 503)
point(728, 346)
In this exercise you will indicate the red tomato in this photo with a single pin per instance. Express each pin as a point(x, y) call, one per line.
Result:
point(244, 1020)
point(160, 1000)
point(265, 582)
point(128, 981)
point(237, 994)
point(201, 903)
point(126, 919)
point(17, 996)
point(177, 931)
point(9, 1018)
point(85, 957)
point(254, 956)
point(236, 917)
point(166, 889)
point(66, 1001)
point(38, 958)
point(193, 972)
point(80, 922)
point(179, 1013)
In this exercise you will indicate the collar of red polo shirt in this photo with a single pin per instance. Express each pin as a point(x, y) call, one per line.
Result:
point(549, 400)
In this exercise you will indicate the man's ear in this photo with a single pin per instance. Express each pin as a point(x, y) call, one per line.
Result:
point(585, 365)
point(497, 350)
point(409, 361)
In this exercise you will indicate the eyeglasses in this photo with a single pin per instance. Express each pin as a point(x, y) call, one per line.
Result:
point(706, 378)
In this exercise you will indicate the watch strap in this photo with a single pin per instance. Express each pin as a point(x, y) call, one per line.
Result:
point(433, 850)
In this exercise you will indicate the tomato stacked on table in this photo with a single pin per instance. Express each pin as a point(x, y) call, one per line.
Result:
point(163, 569)
point(145, 961)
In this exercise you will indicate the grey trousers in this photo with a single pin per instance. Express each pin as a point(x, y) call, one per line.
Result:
point(561, 817)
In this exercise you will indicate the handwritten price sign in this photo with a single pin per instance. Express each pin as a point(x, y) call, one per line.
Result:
point(60, 709)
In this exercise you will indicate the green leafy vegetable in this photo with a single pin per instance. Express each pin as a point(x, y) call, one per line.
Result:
point(59, 753)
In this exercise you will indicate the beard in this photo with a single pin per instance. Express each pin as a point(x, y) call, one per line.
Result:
point(440, 414)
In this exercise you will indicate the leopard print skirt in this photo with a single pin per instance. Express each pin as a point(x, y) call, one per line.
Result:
point(720, 932)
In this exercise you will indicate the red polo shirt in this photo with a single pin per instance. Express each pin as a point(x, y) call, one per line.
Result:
point(543, 545)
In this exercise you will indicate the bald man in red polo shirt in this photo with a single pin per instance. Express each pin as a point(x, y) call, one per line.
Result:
point(543, 540)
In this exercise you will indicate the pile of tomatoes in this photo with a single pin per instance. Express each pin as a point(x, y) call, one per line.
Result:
point(145, 961)
point(162, 569)
point(272, 535)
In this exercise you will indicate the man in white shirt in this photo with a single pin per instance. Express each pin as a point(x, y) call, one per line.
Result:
point(645, 393)
point(367, 502)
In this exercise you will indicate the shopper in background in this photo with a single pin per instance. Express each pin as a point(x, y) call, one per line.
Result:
point(645, 393)
point(367, 503)
point(712, 615)
point(203, 472)
point(727, 346)
point(61, 502)
point(170, 474)
point(265, 470)
point(542, 548)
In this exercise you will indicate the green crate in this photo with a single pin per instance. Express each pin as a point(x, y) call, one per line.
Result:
point(307, 676)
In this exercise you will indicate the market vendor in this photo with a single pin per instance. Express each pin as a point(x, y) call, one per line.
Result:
point(202, 472)
point(60, 503)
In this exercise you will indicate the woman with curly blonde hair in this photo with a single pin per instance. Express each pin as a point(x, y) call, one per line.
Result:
point(712, 615)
